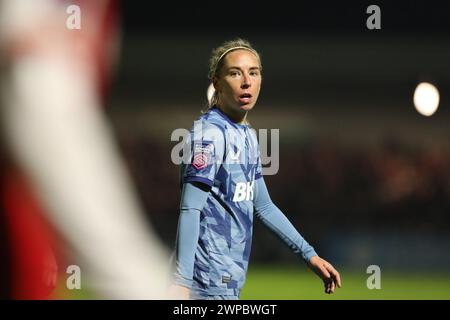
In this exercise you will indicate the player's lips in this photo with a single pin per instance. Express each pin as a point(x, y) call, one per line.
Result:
point(245, 98)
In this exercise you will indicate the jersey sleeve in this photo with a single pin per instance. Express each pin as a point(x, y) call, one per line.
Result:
point(258, 173)
point(193, 200)
point(206, 147)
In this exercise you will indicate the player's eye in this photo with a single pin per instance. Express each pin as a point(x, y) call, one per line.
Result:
point(234, 73)
point(254, 73)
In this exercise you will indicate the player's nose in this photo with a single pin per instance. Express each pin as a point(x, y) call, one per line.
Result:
point(246, 82)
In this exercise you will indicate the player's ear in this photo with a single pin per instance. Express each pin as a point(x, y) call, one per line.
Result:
point(215, 82)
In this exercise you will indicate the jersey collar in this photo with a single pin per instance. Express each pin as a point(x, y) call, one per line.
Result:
point(220, 112)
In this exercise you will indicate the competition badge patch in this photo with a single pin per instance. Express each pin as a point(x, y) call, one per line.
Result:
point(202, 154)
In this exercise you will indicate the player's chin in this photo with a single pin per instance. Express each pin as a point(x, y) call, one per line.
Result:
point(246, 106)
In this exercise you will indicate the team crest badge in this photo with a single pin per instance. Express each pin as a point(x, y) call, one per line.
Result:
point(202, 155)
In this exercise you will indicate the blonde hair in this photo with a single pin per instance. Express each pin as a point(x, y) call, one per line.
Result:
point(217, 58)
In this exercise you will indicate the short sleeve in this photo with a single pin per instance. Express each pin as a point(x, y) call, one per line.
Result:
point(206, 147)
point(258, 172)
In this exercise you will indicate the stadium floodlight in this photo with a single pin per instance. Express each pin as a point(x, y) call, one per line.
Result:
point(426, 99)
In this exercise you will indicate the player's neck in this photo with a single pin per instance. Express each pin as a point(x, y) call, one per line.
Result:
point(237, 117)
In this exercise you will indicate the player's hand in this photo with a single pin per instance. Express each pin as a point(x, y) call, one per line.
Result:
point(326, 272)
point(177, 292)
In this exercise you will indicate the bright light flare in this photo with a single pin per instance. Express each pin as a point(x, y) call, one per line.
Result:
point(426, 99)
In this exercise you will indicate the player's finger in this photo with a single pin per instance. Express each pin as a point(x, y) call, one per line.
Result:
point(332, 287)
point(324, 272)
point(338, 280)
point(327, 288)
point(335, 274)
point(327, 282)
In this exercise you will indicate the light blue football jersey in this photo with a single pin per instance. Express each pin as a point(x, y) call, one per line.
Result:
point(225, 156)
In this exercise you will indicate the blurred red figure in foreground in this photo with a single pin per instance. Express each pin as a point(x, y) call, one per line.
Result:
point(65, 188)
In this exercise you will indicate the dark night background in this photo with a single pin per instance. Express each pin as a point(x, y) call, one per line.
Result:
point(363, 176)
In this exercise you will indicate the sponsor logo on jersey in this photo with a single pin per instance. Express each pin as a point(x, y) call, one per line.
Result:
point(243, 191)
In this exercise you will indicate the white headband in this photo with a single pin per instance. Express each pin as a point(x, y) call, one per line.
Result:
point(231, 49)
point(235, 48)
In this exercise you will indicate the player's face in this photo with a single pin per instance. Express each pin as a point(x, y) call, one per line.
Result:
point(239, 82)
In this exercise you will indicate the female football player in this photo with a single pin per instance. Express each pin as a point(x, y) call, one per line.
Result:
point(223, 188)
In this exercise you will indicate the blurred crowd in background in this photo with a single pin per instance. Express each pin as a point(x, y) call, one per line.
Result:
point(328, 189)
